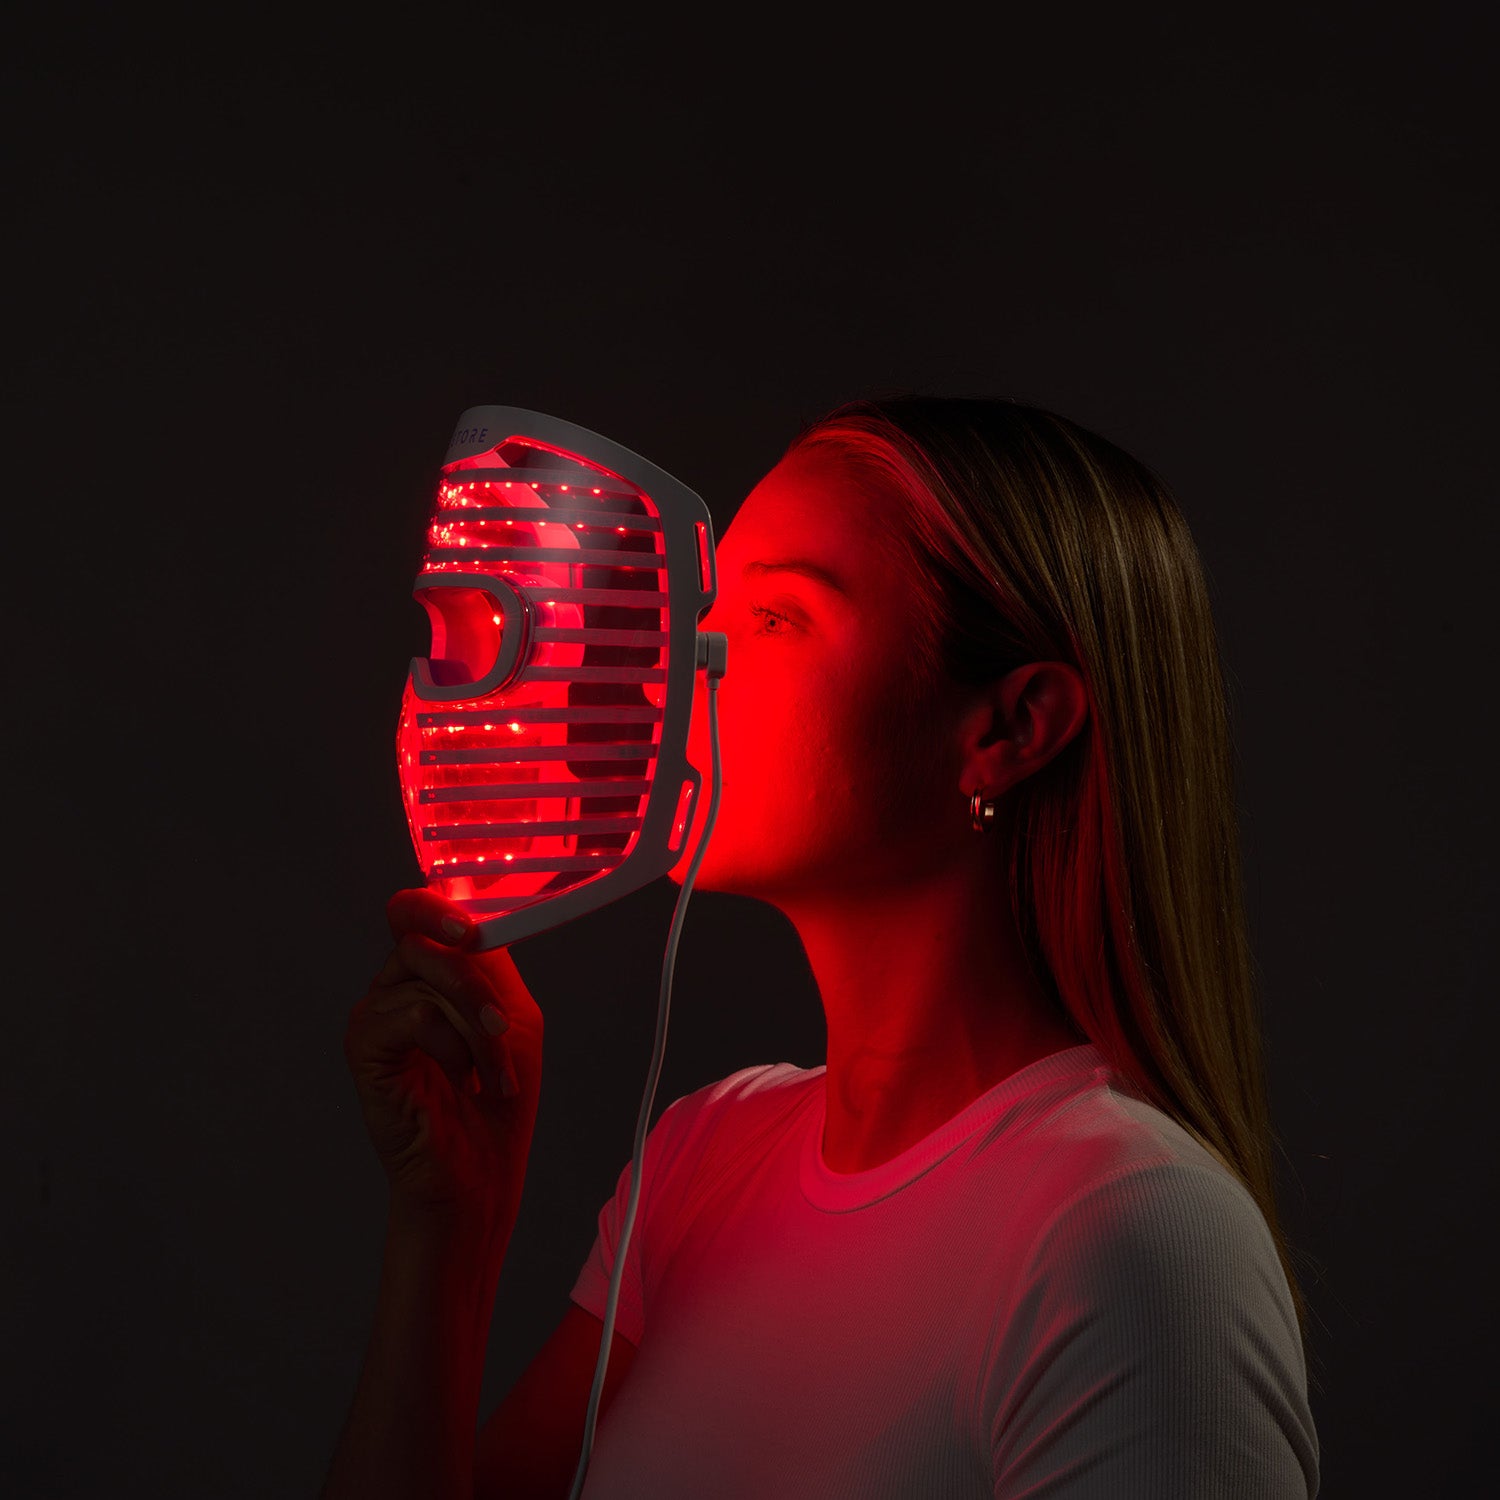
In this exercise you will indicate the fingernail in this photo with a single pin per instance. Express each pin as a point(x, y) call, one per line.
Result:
point(455, 927)
point(492, 1021)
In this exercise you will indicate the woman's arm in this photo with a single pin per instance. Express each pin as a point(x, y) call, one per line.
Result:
point(445, 1050)
point(410, 1431)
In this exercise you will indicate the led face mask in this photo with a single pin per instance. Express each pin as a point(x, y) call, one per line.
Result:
point(542, 746)
point(542, 743)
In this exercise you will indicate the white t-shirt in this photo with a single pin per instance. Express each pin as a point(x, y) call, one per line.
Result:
point(1057, 1295)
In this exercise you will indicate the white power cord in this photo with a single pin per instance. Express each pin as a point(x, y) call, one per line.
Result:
point(711, 654)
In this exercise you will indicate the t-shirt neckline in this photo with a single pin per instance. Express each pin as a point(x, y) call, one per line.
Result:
point(837, 1191)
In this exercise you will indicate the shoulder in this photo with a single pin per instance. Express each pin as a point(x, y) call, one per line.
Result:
point(747, 1103)
point(1159, 1272)
point(1097, 1157)
point(1122, 1196)
point(759, 1088)
point(1151, 1333)
point(1130, 1234)
point(1160, 1227)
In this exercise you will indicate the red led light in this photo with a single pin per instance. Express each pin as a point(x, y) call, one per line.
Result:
point(538, 782)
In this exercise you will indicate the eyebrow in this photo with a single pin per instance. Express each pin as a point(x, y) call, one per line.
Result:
point(807, 568)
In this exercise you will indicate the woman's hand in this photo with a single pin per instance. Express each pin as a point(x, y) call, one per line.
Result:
point(446, 1053)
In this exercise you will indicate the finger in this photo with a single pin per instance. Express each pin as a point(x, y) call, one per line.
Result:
point(464, 991)
point(414, 1016)
point(459, 997)
point(469, 1070)
point(426, 912)
point(401, 1022)
point(496, 966)
point(470, 985)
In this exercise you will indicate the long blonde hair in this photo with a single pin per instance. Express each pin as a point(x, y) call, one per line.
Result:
point(1034, 539)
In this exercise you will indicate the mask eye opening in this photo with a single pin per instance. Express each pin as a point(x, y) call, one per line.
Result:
point(466, 629)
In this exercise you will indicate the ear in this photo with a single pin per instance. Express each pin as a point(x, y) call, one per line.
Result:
point(1019, 723)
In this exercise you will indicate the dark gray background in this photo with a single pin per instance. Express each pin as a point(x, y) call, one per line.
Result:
point(253, 281)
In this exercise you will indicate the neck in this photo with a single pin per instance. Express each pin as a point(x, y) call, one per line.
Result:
point(929, 1003)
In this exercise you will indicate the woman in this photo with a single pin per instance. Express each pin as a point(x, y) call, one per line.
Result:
point(1018, 1236)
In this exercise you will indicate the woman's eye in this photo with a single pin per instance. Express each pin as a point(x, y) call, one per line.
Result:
point(768, 617)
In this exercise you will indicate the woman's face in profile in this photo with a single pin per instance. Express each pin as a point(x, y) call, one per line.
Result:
point(832, 769)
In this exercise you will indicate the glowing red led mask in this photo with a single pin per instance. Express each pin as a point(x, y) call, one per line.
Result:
point(542, 743)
